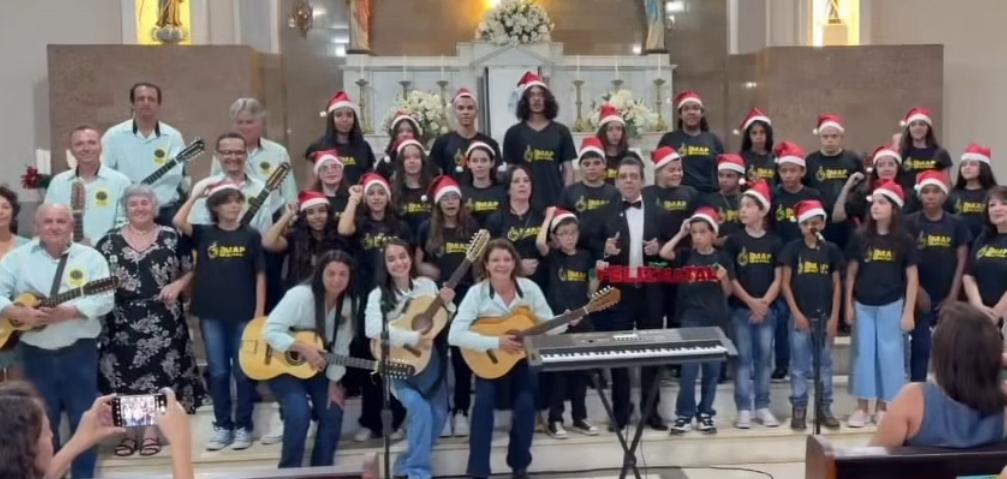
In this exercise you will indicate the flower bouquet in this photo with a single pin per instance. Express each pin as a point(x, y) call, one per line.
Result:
point(427, 109)
point(639, 118)
point(515, 22)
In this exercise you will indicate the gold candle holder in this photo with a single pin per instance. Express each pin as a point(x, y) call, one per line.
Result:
point(405, 88)
point(365, 119)
point(616, 85)
point(581, 124)
point(659, 103)
point(443, 84)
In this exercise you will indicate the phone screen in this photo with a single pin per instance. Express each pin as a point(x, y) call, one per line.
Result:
point(138, 411)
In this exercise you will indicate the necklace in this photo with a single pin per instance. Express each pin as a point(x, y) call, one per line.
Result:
point(139, 232)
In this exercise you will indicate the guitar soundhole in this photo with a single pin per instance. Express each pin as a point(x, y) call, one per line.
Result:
point(294, 358)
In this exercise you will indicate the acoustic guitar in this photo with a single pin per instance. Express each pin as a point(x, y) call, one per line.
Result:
point(259, 361)
point(272, 183)
point(78, 199)
point(522, 323)
point(10, 330)
point(427, 314)
point(187, 154)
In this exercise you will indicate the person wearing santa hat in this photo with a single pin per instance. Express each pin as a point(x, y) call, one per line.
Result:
point(757, 146)
point(303, 233)
point(811, 285)
point(612, 134)
point(730, 177)
point(449, 150)
point(230, 266)
point(567, 288)
point(367, 227)
point(943, 240)
point(344, 134)
point(885, 164)
point(882, 283)
point(700, 304)
point(986, 269)
point(755, 254)
point(919, 148)
point(540, 142)
point(482, 192)
point(829, 168)
point(694, 141)
point(592, 199)
point(975, 179)
point(442, 242)
point(330, 181)
point(404, 126)
point(668, 192)
point(412, 178)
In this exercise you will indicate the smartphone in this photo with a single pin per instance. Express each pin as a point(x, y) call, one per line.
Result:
point(138, 411)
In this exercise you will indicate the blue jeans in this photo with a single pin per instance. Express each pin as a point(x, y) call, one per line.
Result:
point(802, 367)
point(223, 340)
point(685, 404)
point(879, 370)
point(755, 348)
point(67, 380)
point(781, 334)
point(425, 419)
point(523, 386)
point(293, 394)
point(919, 349)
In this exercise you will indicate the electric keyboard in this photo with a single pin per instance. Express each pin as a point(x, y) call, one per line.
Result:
point(615, 349)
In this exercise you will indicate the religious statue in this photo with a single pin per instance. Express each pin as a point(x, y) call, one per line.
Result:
point(169, 22)
point(360, 26)
point(655, 26)
point(834, 18)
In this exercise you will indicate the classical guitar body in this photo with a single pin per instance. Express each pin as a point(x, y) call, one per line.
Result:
point(418, 357)
point(9, 331)
point(259, 361)
point(495, 363)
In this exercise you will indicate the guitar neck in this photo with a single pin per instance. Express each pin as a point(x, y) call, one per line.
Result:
point(158, 173)
point(62, 298)
point(556, 322)
point(254, 204)
point(351, 362)
point(78, 225)
point(452, 283)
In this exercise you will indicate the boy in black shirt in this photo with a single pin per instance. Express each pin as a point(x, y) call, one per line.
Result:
point(813, 290)
point(593, 200)
point(828, 169)
point(730, 171)
point(693, 140)
point(568, 288)
point(449, 150)
point(668, 193)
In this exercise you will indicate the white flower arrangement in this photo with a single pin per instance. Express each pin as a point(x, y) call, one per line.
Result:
point(639, 118)
point(428, 110)
point(515, 22)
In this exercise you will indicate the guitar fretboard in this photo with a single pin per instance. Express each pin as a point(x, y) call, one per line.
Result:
point(351, 362)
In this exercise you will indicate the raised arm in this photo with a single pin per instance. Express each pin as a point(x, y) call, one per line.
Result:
point(275, 239)
point(347, 220)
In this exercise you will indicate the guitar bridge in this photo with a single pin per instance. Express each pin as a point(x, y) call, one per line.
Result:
point(493, 357)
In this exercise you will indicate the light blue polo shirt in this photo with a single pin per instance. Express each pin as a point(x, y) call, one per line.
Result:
point(296, 312)
point(127, 151)
point(30, 268)
point(263, 219)
point(103, 209)
point(261, 163)
point(480, 301)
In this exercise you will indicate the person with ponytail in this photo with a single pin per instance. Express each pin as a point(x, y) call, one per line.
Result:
point(403, 127)
point(344, 135)
point(483, 194)
point(304, 232)
point(975, 179)
point(410, 183)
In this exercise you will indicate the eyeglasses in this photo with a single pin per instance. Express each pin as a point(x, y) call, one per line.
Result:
point(231, 152)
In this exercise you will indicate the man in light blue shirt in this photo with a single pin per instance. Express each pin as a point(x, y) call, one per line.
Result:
point(60, 353)
point(139, 146)
point(103, 186)
point(231, 150)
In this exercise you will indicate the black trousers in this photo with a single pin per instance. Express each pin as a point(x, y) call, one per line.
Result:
point(563, 386)
point(372, 391)
point(641, 307)
point(462, 395)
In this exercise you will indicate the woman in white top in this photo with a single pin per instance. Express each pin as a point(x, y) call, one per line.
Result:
point(324, 304)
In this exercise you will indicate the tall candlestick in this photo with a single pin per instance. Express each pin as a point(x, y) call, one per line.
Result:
point(442, 67)
point(659, 66)
point(361, 67)
point(405, 59)
point(617, 67)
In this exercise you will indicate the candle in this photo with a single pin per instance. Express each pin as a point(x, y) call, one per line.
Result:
point(578, 67)
point(362, 66)
point(616, 67)
point(405, 59)
point(659, 66)
point(442, 67)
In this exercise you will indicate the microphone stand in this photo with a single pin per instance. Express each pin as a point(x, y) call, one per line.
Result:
point(386, 398)
point(818, 321)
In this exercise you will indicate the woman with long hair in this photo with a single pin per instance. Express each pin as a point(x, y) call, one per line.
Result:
point(324, 303)
point(919, 148)
point(986, 268)
point(483, 193)
point(9, 239)
point(344, 134)
point(410, 182)
point(518, 222)
point(330, 180)
point(614, 139)
point(975, 179)
point(881, 288)
point(304, 232)
point(425, 395)
point(757, 146)
point(442, 242)
point(693, 140)
point(884, 164)
point(403, 127)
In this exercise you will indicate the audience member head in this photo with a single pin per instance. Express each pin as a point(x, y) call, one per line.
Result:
point(967, 352)
point(26, 447)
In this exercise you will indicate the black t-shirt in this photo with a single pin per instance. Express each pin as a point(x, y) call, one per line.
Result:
point(784, 217)
point(705, 298)
point(227, 263)
point(568, 279)
point(760, 166)
point(755, 260)
point(412, 208)
point(828, 174)
point(520, 230)
point(451, 253)
point(988, 264)
point(917, 160)
point(699, 157)
point(938, 243)
point(678, 201)
point(483, 202)
point(448, 152)
point(970, 206)
point(337, 204)
point(811, 272)
point(357, 158)
point(612, 164)
point(727, 206)
point(594, 206)
point(543, 151)
point(882, 259)
point(370, 237)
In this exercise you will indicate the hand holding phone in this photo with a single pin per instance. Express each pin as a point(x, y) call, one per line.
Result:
point(138, 411)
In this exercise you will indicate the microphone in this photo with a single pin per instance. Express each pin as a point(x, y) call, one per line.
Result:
point(818, 236)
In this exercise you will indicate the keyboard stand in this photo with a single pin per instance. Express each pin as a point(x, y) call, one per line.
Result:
point(628, 449)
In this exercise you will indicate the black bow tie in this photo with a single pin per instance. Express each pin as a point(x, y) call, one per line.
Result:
point(632, 204)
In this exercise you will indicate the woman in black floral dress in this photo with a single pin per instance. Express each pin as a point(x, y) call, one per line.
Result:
point(145, 345)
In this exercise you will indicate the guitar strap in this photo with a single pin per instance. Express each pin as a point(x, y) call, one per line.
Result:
point(54, 289)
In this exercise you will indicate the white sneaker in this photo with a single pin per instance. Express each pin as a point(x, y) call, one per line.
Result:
point(363, 435)
point(766, 417)
point(744, 419)
point(878, 416)
point(859, 418)
point(460, 424)
point(448, 427)
point(274, 434)
point(221, 439)
point(398, 434)
point(556, 430)
point(242, 439)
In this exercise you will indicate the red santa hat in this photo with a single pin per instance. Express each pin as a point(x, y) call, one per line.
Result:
point(890, 190)
point(374, 179)
point(590, 144)
point(932, 177)
point(662, 156)
point(974, 152)
point(462, 93)
point(808, 209)
point(529, 80)
point(401, 116)
point(828, 121)
point(761, 192)
point(917, 114)
point(323, 156)
point(686, 97)
point(789, 152)
point(560, 216)
point(407, 142)
point(732, 162)
point(609, 113)
point(341, 100)
point(223, 185)
point(885, 152)
point(476, 145)
point(441, 186)
point(310, 199)
point(753, 116)
point(709, 215)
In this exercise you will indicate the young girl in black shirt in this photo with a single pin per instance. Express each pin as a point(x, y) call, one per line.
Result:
point(403, 127)
point(483, 194)
point(615, 142)
point(975, 178)
point(693, 140)
point(885, 164)
point(304, 232)
point(757, 147)
point(987, 264)
point(519, 223)
point(919, 148)
point(343, 133)
point(411, 180)
point(330, 180)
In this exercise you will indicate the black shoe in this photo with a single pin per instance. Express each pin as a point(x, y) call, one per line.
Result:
point(705, 424)
point(799, 419)
point(829, 421)
point(520, 474)
point(779, 374)
point(656, 423)
point(611, 427)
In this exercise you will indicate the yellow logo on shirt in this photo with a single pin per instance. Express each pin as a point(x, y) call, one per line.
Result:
point(934, 241)
point(672, 206)
point(571, 276)
point(762, 173)
point(416, 208)
point(587, 204)
point(969, 207)
point(811, 267)
point(76, 278)
point(482, 206)
point(692, 150)
point(730, 216)
point(159, 156)
point(515, 234)
point(746, 258)
point(348, 161)
point(372, 242)
point(215, 251)
point(265, 167)
point(913, 164)
point(880, 255)
point(784, 213)
point(101, 198)
point(455, 248)
point(827, 174)
point(991, 252)
point(534, 154)
point(459, 158)
point(611, 173)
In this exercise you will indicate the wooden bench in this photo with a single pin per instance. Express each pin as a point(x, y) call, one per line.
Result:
point(824, 461)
